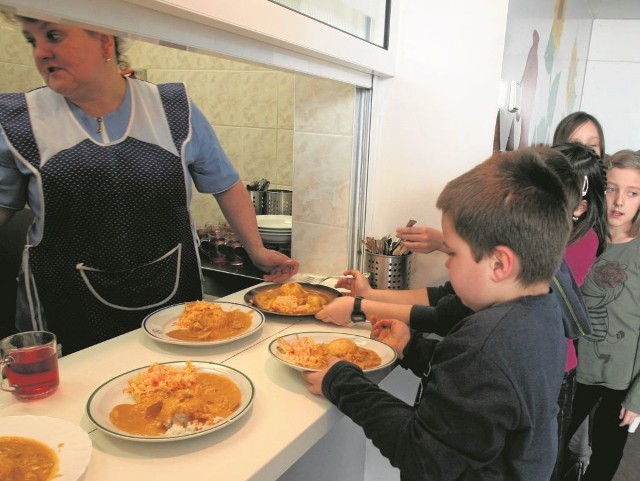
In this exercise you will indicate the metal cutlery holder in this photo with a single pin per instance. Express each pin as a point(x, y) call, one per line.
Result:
point(258, 197)
point(389, 272)
point(278, 202)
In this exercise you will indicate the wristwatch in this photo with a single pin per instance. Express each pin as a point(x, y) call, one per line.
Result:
point(357, 315)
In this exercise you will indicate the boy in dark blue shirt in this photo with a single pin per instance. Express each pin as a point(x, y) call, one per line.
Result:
point(488, 409)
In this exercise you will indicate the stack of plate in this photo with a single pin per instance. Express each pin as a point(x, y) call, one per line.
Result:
point(275, 229)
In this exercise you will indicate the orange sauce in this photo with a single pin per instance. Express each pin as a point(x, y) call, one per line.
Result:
point(26, 459)
point(211, 399)
point(206, 321)
point(291, 298)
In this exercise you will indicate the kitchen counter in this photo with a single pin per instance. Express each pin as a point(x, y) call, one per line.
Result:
point(284, 422)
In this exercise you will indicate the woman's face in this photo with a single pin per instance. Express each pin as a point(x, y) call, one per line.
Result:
point(623, 199)
point(588, 135)
point(69, 59)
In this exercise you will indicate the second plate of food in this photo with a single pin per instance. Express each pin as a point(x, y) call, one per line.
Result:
point(291, 298)
point(308, 351)
point(202, 323)
point(171, 401)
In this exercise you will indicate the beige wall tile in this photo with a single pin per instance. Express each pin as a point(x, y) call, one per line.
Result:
point(18, 72)
point(286, 100)
point(319, 249)
point(204, 209)
point(13, 46)
point(148, 55)
point(247, 99)
point(323, 157)
point(252, 151)
point(322, 178)
point(18, 78)
point(284, 160)
point(324, 106)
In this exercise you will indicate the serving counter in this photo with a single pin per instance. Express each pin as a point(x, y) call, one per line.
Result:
point(284, 421)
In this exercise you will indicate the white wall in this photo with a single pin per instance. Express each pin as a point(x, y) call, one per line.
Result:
point(546, 50)
point(435, 119)
point(612, 82)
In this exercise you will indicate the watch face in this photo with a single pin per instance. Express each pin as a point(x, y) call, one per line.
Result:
point(358, 317)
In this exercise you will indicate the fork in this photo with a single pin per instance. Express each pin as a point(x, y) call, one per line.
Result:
point(314, 279)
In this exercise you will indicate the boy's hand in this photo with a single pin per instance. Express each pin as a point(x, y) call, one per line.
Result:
point(314, 379)
point(392, 332)
point(337, 311)
point(358, 285)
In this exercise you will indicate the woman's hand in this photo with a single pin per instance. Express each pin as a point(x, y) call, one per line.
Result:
point(420, 239)
point(278, 266)
point(392, 332)
point(337, 311)
point(314, 379)
point(357, 284)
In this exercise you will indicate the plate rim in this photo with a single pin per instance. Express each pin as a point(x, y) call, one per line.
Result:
point(285, 219)
point(81, 437)
point(218, 342)
point(178, 437)
point(337, 335)
point(307, 285)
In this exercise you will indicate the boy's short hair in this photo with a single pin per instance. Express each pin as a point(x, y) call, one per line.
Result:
point(626, 159)
point(513, 199)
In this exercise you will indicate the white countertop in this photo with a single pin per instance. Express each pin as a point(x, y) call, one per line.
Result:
point(283, 423)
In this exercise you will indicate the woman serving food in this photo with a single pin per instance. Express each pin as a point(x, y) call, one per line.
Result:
point(106, 164)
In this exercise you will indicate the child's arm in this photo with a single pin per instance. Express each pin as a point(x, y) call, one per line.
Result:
point(453, 429)
point(439, 319)
point(339, 310)
point(359, 286)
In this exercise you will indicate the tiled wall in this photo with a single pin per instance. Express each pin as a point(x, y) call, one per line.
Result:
point(292, 129)
point(17, 73)
point(250, 108)
point(323, 145)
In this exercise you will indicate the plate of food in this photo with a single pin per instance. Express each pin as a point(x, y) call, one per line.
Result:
point(202, 323)
point(49, 448)
point(291, 298)
point(308, 351)
point(171, 401)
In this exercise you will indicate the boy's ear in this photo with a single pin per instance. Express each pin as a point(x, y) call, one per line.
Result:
point(503, 263)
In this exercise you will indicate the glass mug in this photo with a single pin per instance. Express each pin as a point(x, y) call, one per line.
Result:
point(30, 364)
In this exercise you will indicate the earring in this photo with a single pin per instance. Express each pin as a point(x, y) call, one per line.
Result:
point(108, 59)
point(575, 218)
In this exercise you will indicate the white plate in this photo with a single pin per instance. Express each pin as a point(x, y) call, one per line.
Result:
point(70, 443)
point(276, 232)
point(111, 393)
point(279, 232)
point(275, 238)
point(386, 353)
point(159, 323)
point(286, 228)
point(274, 221)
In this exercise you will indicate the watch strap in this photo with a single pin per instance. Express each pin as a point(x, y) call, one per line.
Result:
point(357, 315)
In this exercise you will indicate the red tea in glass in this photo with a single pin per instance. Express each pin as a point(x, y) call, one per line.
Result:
point(30, 364)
